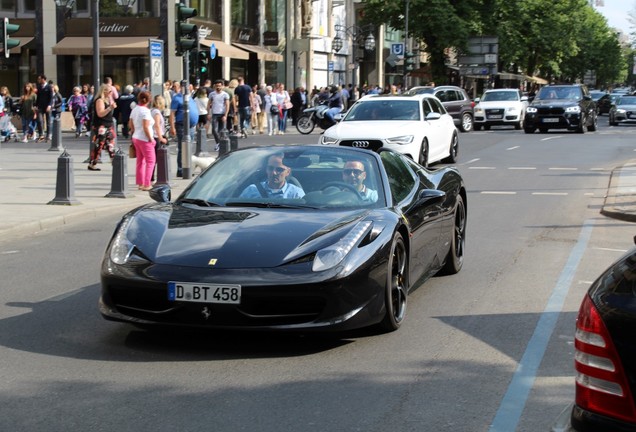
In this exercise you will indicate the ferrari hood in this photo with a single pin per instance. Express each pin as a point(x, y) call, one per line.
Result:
point(376, 130)
point(234, 237)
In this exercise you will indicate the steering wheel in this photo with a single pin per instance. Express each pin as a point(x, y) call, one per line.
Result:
point(342, 185)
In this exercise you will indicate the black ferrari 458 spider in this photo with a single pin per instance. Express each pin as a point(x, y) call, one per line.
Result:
point(287, 238)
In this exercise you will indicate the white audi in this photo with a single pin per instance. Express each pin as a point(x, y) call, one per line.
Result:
point(416, 125)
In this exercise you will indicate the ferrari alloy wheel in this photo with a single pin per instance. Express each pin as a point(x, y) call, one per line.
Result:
point(396, 286)
point(424, 154)
point(455, 257)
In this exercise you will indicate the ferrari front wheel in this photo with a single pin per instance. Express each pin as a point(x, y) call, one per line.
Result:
point(396, 286)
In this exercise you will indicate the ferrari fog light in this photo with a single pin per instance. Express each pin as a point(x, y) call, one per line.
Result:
point(331, 256)
point(121, 248)
point(401, 140)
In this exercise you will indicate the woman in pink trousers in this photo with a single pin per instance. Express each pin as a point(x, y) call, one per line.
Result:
point(141, 127)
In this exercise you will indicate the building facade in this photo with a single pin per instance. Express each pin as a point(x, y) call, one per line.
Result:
point(270, 41)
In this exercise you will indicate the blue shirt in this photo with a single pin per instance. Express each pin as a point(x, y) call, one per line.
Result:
point(369, 195)
point(287, 191)
point(177, 106)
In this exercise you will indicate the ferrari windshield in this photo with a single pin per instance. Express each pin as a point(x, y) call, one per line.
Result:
point(384, 109)
point(290, 177)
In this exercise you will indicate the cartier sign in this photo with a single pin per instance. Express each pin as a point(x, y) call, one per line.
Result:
point(115, 26)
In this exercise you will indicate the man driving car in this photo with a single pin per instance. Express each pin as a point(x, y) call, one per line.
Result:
point(354, 174)
point(276, 185)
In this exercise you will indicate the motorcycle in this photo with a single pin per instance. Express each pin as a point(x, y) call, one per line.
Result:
point(315, 116)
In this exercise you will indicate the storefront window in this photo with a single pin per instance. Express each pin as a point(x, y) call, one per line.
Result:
point(243, 13)
point(208, 10)
point(7, 5)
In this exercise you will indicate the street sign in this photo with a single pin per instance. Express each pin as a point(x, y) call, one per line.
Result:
point(397, 49)
point(330, 66)
point(155, 47)
point(212, 52)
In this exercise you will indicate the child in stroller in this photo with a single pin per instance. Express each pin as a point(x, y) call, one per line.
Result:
point(7, 129)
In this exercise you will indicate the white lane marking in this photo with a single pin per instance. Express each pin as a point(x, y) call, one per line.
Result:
point(563, 169)
point(471, 161)
point(551, 138)
point(482, 168)
point(611, 250)
point(522, 168)
point(513, 148)
point(550, 193)
point(498, 193)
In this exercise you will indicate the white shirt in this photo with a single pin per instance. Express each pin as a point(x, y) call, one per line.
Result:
point(217, 101)
point(138, 115)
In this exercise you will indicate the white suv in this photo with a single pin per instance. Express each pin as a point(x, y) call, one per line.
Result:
point(500, 107)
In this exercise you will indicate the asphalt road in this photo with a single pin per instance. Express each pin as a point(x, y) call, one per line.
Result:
point(489, 349)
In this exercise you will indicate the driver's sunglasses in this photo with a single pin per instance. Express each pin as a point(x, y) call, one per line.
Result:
point(355, 172)
point(275, 169)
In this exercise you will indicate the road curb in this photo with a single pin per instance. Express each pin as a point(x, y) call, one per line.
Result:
point(620, 201)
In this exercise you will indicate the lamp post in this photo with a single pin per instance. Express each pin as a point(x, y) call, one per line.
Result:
point(406, 46)
point(126, 5)
point(96, 67)
point(359, 35)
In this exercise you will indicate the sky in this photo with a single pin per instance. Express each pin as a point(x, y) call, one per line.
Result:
point(616, 12)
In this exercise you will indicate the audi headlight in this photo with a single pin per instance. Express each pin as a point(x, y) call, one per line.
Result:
point(478, 110)
point(333, 255)
point(531, 110)
point(121, 247)
point(620, 111)
point(573, 109)
point(401, 140)
point(512, 110)
point(328, 140)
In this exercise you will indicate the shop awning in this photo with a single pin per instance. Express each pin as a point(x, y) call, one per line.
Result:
point(261, 53)
point(539, 80)
point(75, 45)
point(23, 42)
point(226, 50)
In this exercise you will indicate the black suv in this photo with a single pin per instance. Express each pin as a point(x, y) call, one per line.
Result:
point(561, 107)
point(455, 100)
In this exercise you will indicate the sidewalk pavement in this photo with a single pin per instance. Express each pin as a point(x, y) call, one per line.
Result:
point(28, 175)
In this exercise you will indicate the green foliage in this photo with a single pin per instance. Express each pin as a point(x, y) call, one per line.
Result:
point(558, 40)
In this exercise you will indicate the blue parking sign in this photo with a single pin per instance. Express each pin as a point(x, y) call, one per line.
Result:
point(397, 49)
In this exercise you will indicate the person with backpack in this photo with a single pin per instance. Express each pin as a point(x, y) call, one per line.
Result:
point(77, 106)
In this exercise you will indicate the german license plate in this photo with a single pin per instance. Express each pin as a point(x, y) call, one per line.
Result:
point(495, 116)
point(201, 293)
point(550, 120)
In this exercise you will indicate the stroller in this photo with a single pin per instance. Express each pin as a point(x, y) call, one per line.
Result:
point(7, 129)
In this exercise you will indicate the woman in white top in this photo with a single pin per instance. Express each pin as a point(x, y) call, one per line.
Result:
point(141, 127)
point(159, 128)
point(282, 98)
point(271, 110)
point(202, 102)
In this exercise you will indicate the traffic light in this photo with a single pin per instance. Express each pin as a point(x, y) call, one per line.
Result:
point(8, 29)
point(409, 61)
point(186, 34)
point(203, 62)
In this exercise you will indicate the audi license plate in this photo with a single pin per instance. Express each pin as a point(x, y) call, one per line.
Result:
point(200, 293)
point(550, 120)
point(495, 116)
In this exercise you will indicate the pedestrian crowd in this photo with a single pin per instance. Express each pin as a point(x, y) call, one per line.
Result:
point(218, 107)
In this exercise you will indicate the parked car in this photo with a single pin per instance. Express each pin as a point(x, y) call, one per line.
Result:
point(455, 100)
point(499, 107)
point(605, 354)
point(623, 110)
point(416, 125)
point(310, 238)
point(561, 107)
point(603, 101)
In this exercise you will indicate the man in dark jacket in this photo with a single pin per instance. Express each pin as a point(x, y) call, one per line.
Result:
point(124, 108)
point(44, 105)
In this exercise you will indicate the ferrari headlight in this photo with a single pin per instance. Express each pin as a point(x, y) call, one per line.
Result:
point(573, 109)
point(121, 247)
point(531, 110)
point(331, 256)
point(327, 140)
point(401, 140)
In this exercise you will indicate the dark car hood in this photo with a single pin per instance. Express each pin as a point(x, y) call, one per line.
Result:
point(234, 237)
point(554, 103)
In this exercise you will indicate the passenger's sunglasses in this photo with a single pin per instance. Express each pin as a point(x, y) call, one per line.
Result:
point(277, 170)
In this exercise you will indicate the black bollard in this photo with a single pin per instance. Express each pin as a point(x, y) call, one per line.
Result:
point(119, 183)
point(224, 142)
point(56, 138)
point(201, 138)
point(65, 186)
point(163, 166)
point(234, 141)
